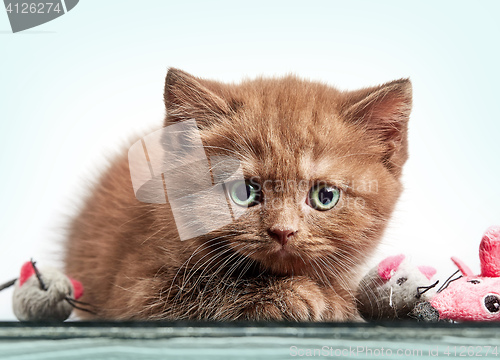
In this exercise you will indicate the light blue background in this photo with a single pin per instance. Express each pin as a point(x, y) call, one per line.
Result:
point(74, 89)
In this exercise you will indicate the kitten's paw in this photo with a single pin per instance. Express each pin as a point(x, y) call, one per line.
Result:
point(303, 300)
point(298, 299)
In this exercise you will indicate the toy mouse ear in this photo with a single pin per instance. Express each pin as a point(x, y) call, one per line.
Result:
point(389, 266)
point(464, 269)
point(428, 271)
point(77, 288)
point(27, 270)
point(489, 252)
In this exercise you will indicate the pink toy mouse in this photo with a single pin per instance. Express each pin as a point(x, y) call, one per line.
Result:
point(470, 297)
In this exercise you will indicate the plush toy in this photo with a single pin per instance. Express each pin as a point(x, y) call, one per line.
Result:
point(393, 288)
point(469, 297)
point(46, 295)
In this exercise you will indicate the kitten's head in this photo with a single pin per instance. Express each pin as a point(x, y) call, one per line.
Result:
point(322, 166)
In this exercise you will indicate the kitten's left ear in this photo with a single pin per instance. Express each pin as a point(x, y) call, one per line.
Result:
point(383, 112)
point(187, 97)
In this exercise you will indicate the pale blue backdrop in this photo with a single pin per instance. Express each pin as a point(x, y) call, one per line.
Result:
point(74, 89)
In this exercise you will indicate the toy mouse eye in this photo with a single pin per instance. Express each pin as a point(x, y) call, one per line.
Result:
point(401, 281)
point(474, 281)
point(492, 303)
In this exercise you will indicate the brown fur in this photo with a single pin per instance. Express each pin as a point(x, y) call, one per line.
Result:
point(128, 254)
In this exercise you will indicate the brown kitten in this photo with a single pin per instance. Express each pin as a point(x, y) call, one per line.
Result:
point(284, 258)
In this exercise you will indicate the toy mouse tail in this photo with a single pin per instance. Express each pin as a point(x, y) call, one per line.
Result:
point(8, 284)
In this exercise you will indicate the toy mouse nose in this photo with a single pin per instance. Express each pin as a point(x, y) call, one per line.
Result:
point(424, 311)
point(282, 235)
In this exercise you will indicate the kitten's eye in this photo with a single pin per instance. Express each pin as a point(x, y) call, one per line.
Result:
point(243, 193)
point(323, 197)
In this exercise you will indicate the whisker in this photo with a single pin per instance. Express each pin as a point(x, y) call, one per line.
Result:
point(71, 302)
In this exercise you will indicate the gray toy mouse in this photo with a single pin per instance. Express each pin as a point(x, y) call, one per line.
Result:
point(393, 288)
point(44, 296)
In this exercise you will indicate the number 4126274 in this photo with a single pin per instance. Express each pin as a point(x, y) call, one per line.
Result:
point(33, 8)
point(481, 350)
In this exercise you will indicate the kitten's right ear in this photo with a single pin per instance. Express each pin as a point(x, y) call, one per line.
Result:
point(187, 97)
point(383, 112)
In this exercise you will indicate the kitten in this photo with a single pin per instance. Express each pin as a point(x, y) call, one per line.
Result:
point(323, 174)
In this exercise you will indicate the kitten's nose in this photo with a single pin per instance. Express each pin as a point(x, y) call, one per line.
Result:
point(282, 235)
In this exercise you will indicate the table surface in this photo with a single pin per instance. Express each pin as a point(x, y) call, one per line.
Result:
point(245, 340)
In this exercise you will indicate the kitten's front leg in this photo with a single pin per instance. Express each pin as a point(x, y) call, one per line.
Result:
point(298, 299)
point(267, 299)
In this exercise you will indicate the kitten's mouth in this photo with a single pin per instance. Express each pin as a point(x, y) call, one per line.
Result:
point(277, 259)
point(284, 260)
point(283, 251)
